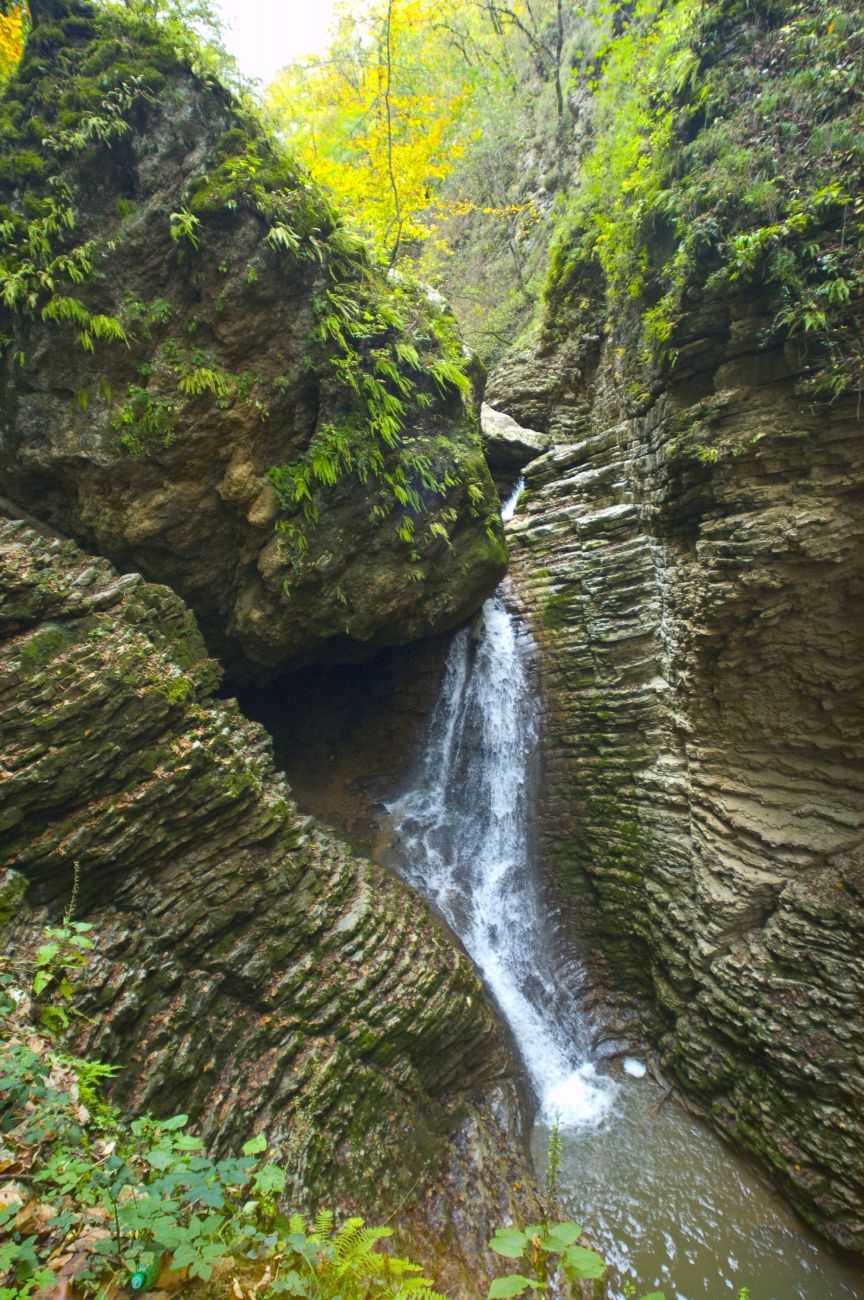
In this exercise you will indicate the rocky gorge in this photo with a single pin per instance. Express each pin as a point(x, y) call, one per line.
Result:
point(266, 475)
point(250, 969)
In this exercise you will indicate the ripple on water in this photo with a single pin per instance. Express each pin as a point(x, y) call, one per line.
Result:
point(673, 1208)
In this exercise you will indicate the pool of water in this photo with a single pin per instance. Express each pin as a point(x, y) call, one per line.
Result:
point(673, 1209)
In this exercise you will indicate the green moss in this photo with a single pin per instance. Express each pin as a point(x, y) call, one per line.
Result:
point(45, 644)
point(13, 887)
point(22, 166)
point(233, 142)
point(557, 611)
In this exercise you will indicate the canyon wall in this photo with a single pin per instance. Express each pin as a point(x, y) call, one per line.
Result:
point(691, 551)
point(702, 624)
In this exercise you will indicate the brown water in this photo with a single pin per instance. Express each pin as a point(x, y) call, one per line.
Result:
point(673, 1209)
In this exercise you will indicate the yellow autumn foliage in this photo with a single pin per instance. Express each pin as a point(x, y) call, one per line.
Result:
point(375, 121)
point(12, 31)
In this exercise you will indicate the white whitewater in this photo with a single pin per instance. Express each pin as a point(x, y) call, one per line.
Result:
point(464, 836)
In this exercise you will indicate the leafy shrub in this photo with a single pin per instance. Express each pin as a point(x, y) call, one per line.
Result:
point(99, 1198)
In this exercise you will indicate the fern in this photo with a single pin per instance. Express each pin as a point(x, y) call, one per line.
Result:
point(323, 1225)
point(62, 309)
point(450, 374)
point(101, 327)
point(204, 379)
point(184, 226)
point(409, 356)
point(282, 237)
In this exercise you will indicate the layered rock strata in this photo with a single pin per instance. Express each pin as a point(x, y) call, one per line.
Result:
point(249, 968)
point(695, 576)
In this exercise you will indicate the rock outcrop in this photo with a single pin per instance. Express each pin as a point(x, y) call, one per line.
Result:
point(692, 549)
point(507, 445)
point(204, 377)
point(249, 968)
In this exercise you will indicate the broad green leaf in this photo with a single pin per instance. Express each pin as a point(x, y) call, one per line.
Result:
point(510, 1242)
point(270, 1179)
point(515, 1284)
point(159, 1158)
point(255, 1145)
point(581, 1263)
point(560, 1236)
point(176, 1121)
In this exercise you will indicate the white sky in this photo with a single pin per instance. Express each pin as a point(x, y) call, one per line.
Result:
point(264, 35)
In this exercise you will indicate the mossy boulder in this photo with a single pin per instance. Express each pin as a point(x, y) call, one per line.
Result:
point(249, 969)
point(208, 379)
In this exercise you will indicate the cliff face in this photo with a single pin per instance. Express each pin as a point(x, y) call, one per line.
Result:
point(249, 968)
point(691, 552)
point(206, 380)
point(702, 625)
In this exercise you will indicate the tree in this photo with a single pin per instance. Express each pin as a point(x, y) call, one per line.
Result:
point(379, 120)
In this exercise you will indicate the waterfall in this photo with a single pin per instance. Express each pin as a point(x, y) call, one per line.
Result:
point(686, 1213)
point(463, 833)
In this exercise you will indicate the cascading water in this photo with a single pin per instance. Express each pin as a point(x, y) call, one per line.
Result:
point(662, 1197)
point(464, 832)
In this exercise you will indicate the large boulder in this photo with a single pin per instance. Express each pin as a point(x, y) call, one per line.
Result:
point(204, 376)
point(509, 446)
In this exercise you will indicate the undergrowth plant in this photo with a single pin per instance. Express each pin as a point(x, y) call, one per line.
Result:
point(88, 1195)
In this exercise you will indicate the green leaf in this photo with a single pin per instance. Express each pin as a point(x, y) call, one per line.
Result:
point(159, 1158)
point(655, 1295)
point(515, 1284)
point(510, 1242)
point(270, 1179)
point(176, 1121)
point(581, 1263)
point(560, 1236)
point(188, 1142)
point(41, 981)
point(255, 1145)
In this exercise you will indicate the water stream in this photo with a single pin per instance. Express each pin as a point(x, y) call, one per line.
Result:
point(664, 1199)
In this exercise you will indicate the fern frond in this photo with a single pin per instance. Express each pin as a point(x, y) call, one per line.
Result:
point(204, 380)
point(323, 1225)
point(283, 237)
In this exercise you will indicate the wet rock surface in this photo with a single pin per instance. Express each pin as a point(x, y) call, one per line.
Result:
point(249, 969)
point(695, 574)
